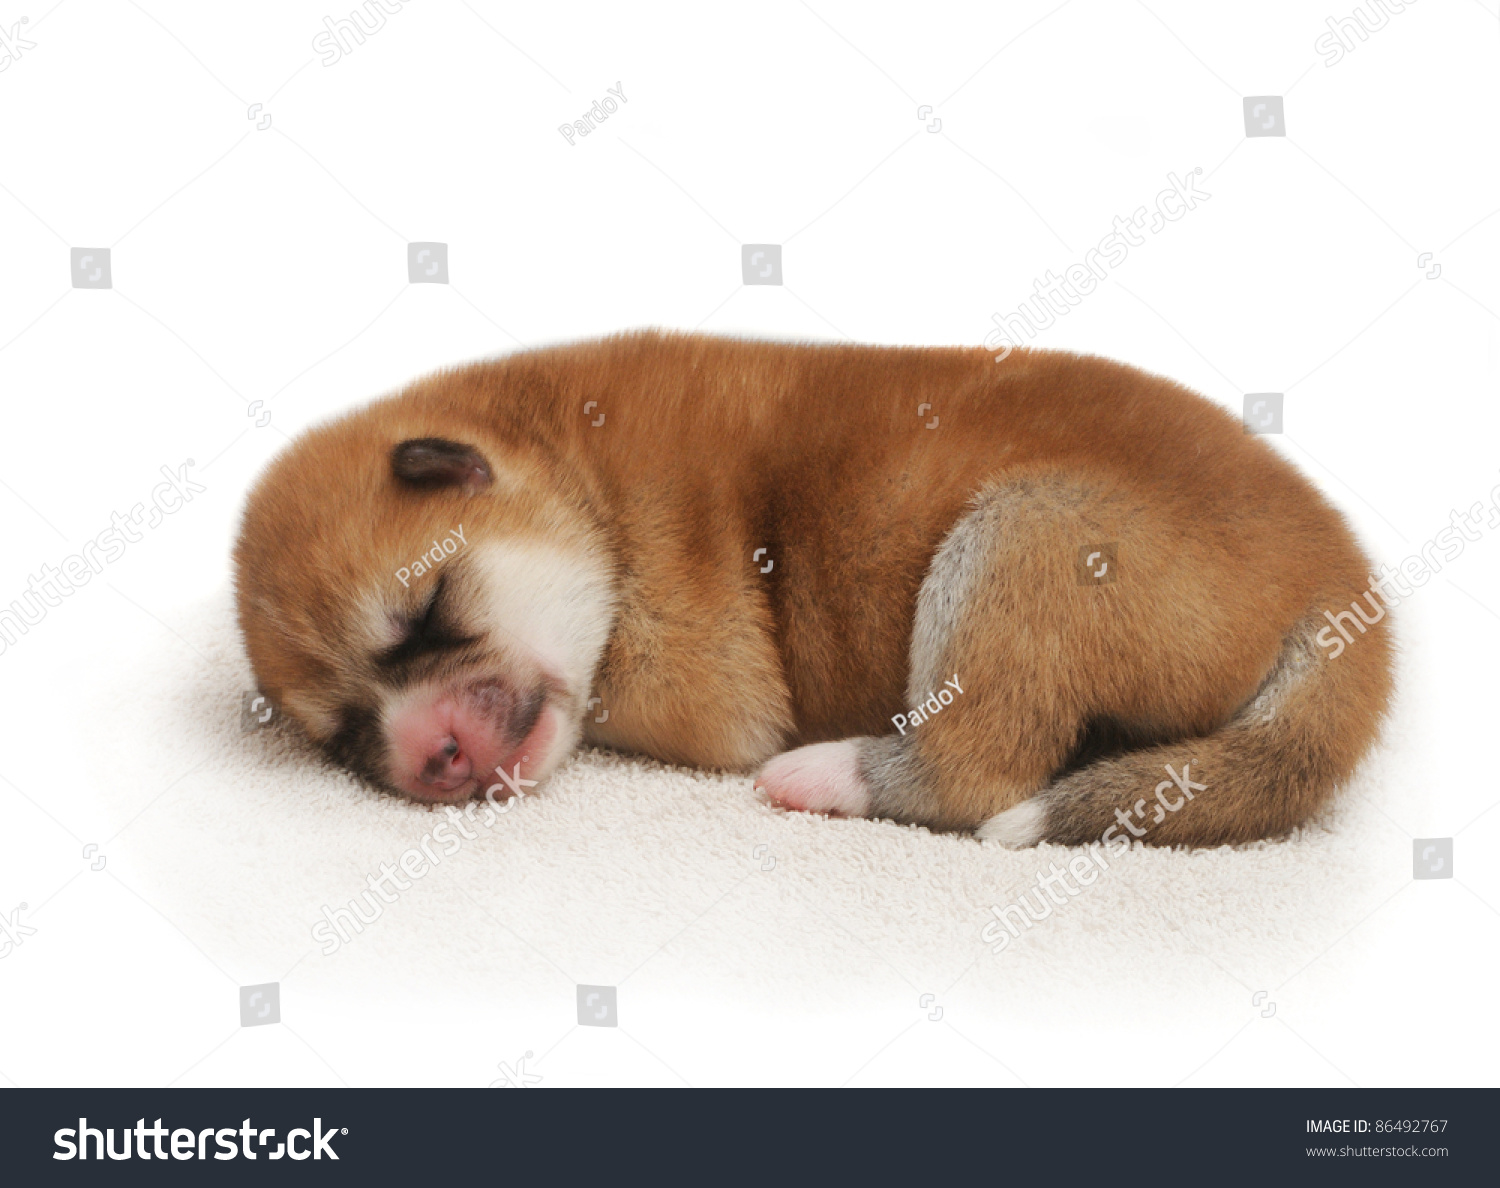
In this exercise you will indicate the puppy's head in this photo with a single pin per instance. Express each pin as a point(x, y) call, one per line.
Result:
point(425, 600)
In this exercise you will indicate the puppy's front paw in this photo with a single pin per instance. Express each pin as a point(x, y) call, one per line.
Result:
point(822, 778)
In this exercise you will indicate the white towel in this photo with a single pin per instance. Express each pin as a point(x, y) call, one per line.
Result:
point(746, 944)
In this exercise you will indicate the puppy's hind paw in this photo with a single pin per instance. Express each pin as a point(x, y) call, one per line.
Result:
point(1017, 828)
point(822, 778)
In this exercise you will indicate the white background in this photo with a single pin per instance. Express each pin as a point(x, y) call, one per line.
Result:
point(269, 266)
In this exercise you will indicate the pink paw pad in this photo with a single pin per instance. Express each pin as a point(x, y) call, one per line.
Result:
point(822, 778)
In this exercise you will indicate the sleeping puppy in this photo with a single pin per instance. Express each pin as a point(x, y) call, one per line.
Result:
point(1045, 598)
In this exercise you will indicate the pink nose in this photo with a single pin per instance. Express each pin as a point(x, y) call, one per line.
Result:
point(447, 767)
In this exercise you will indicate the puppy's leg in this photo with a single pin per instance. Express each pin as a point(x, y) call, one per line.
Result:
point(1000, 665)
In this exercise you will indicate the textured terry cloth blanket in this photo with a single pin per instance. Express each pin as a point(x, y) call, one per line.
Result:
point(744, 944)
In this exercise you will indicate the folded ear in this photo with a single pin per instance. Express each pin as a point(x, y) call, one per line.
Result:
point(437, 462)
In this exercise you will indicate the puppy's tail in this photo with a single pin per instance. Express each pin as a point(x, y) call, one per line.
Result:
point(1263, 773)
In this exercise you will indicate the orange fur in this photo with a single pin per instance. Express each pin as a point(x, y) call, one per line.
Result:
point(714, 448)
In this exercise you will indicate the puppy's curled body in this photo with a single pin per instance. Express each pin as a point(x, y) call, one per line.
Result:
point(714, 551)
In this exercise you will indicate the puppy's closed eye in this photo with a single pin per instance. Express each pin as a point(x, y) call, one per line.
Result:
point(432, 629)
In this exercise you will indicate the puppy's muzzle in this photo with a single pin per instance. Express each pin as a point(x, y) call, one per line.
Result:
point(446, 742)
point(449, 769)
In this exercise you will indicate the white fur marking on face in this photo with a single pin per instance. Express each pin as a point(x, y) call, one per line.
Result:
point(1016, 828)
point(319, 721)
point(380, 625)
point(822, 778)
point(556, 606)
